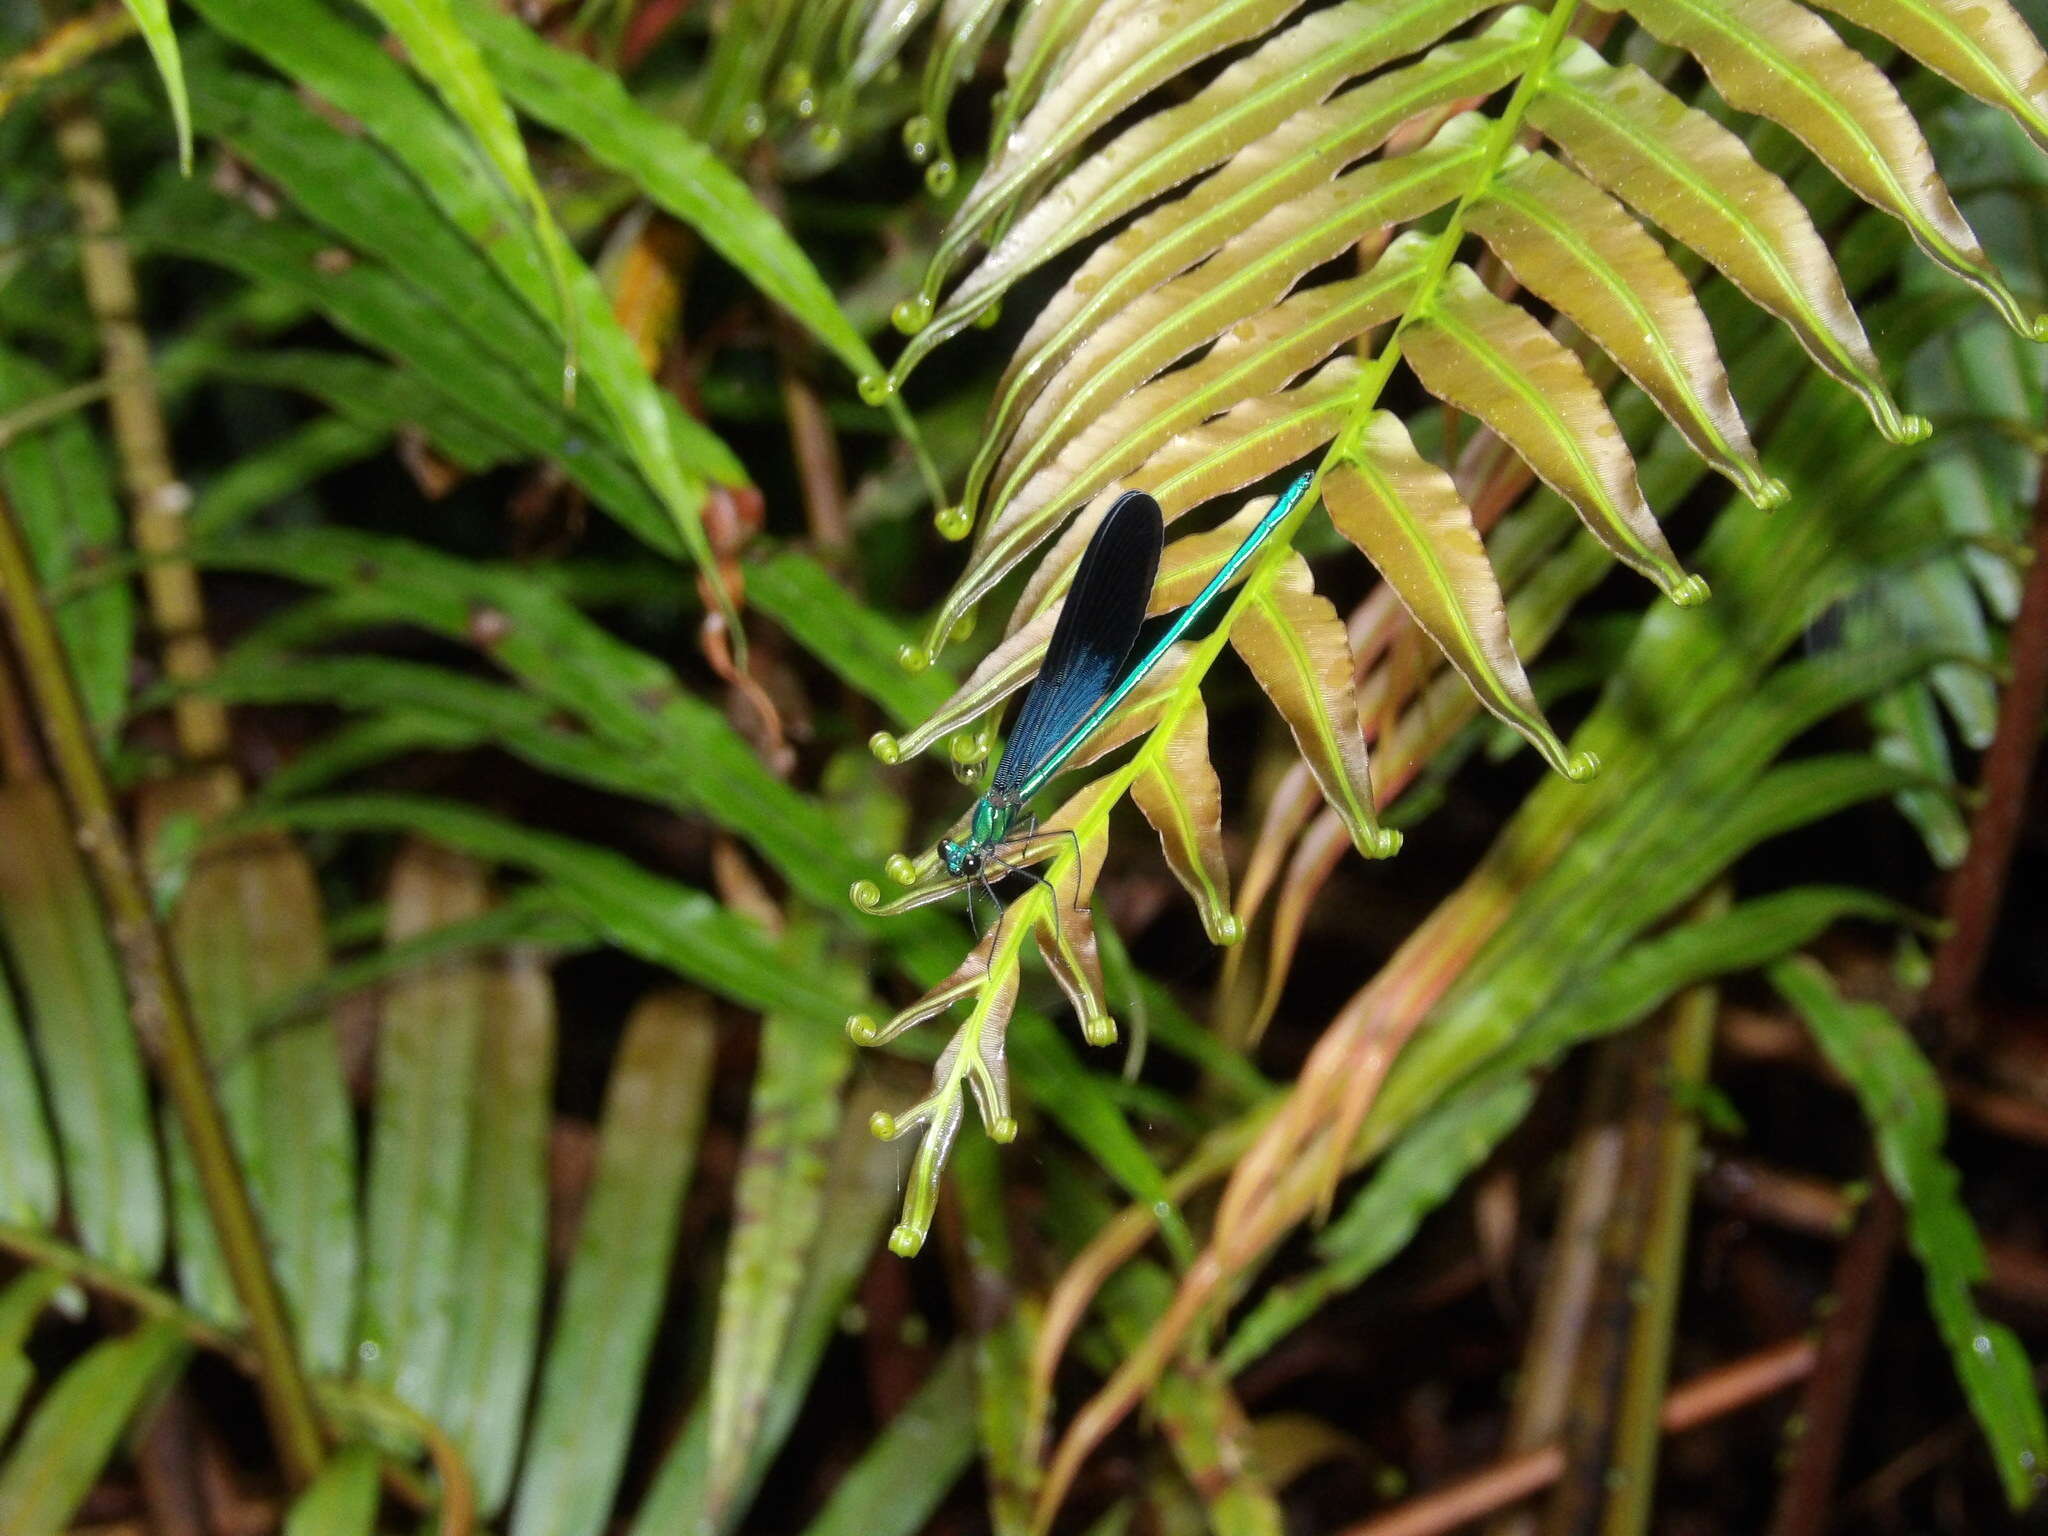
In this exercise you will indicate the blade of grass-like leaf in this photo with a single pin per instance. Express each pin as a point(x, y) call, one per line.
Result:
point(21, 1304)
point(442, 51)
point(1430, 1161)
point(29, 1177)
point(776, 1204)
point(374, 397)
point(853, 639)
point(1779, 60)
point(383, 311)
point(502, 1247)
point(535, 918)
point(1698, 181)
point(591, 1382)
point(429, 1045)
point(919, 1455)
point(153, 21)
point(1901, 1098)
point(673, 452)
point(258, 481)
point(1407, 518)
point(78, 1013)
point(1492, 359)
point(1570, 243)
point(342, 1500)
point(860, 1193)
point(631, 701)
point(576, 97)
point(1470, 1120)
point(78, 1426)
point(1293, 641)
point(58, 483)
point(656, 919)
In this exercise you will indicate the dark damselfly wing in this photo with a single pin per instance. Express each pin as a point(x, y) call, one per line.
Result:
point(1104, 611)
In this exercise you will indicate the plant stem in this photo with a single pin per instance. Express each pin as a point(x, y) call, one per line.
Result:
point(157, 498)
point(1703, 1399)
point(65, 46)
point(158, 1006)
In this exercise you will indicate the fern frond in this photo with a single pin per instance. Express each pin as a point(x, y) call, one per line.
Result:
point(1191, 324)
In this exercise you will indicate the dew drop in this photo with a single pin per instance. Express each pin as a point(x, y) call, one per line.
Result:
point(753, 120)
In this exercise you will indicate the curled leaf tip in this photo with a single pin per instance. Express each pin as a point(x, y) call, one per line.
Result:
point(1227, 929)
point(861, 1029)
point(987, 319)
point(913, 658)
point(962, 628)
point(902, 868)
point(1911, 429)
point(1770, 493)
point(875, 388)
point(969, 746)
point(1691, 592)
point(953, 523)
point(1387, 844)
point(865, 895)
point(1099, 1030)
point(912, 315)
point(882, 1126)
point(885, 747)
point(905, 1241)
point(2037, 328)
point(938, 177)
point(1583, 766)
point(1002, 1130)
